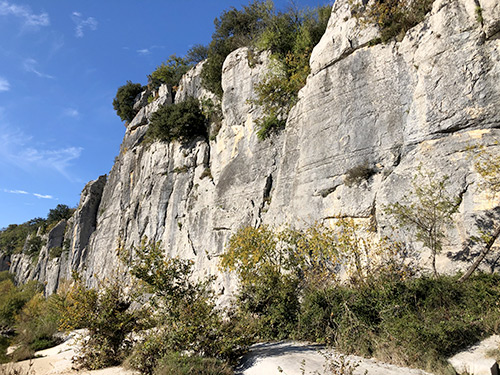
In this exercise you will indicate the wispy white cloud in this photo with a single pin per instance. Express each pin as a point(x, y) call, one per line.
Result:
point(71, 112)
point(4, 84)
point(41, 196)
point(146, 51)
point(29, 18)
point(18, 149)
point(22, 192)
point(81, 24)
point(30, 65)
point(15, 191)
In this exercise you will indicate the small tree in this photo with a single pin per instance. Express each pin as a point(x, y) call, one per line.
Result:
point(61, 212)
point(124, 100)
point(169, 72)
point(487, 165)
point(106, 315)
point(197, 53)
point(428, 210)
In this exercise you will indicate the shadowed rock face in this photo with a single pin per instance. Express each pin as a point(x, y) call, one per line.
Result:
point(387, 108)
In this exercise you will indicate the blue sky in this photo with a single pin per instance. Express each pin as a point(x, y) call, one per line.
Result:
point(61, 62)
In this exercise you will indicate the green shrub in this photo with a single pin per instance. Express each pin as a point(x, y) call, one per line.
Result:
point(61, 212)
point(273, 301)
point(13, 238)
point(36, 325)
point(213, 113)
point(123, 103)
point(417, 322)
point(169, 72)
point(107, 317)
point(290, 37)
point(233, 29)
point(185, 316)
point(34, 245)
point(56, 252)
point(13, 299)
point(394, 17)
point(197, 53)
point(182, 121)
point(178, 364)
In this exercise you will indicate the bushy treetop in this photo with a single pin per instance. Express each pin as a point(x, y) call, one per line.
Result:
point(124, 100)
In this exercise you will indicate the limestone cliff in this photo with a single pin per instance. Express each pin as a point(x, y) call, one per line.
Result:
point(388, 107)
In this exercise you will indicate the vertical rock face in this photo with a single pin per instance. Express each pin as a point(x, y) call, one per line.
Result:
point(386, 109)
point(65, 245)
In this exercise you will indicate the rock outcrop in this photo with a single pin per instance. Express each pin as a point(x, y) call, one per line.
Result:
point(388, 108)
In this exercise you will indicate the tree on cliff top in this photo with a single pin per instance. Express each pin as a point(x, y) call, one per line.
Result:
point(124, 100)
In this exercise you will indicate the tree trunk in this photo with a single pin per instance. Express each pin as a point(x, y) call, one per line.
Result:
point(479, 259)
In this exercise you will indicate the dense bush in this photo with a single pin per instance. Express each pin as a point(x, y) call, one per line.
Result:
point(107, 317)
point(123, 103)
point(178, 364)
point(61, 212)
point(197, 53)
point(233, 29)
point(290, 37)
point(182, 121)
point(13, 238)
point(415, 322)
point(37, 324)
point(24, 319)
point(185, 315)
point(34, 245)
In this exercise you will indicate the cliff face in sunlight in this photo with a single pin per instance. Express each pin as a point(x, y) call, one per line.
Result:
point(388, 108)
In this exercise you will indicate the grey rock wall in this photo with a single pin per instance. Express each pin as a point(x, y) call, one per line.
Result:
point(390, 107)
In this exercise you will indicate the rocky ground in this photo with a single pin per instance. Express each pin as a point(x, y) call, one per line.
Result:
point(288, 358)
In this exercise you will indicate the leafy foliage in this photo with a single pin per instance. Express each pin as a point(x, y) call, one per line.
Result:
point(123, 103)
point(36, 325)
point(13, 237)
point(185, 315)
point(428, 210)
point(414, 322)
point(182, 121)
point(108, 319)
point(169, 72)
point(394, 17)
point(233, 29)
point(197, 53)
point(61, 212)
point(34, 245)
point(177, 364)
point(290, 37)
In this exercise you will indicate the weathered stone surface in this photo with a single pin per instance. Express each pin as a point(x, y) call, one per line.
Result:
point(389, 107)
point(344, 34)
point(144, 115)
point(71, 238)
point(190, 86)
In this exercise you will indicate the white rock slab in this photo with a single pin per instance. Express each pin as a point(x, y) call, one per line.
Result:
point(298, 358)
point(476, 360)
